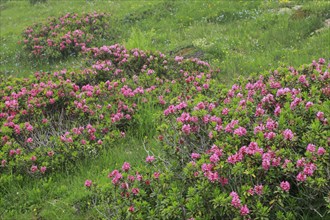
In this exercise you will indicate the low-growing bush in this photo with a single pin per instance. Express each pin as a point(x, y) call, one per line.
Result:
point(56, 118)
point(66, 35)
point(259, 150)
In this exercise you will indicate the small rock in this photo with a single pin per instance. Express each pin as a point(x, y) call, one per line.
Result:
point(297, 7)
point(283, 11)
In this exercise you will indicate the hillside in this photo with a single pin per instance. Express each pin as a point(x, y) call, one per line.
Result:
point(164, 110)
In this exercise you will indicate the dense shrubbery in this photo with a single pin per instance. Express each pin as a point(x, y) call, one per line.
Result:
point(257, 150)
point(66, 35)
point(66, 115)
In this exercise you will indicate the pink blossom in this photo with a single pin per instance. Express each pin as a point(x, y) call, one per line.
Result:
point(43, 169)
point(135, 191)
point(29, 140)
point(186, 129)
point(285, 185)
point(3, 163)
point(213, 176)
point(50, 153)
point(195, 156)
point(288, 134)
point(310, 148)
point(258, 189)
point(150, 159)
point(131, 209)
point(214, 158)
point(33, 158)
point(301, 177)
point(308, 105)
point(244, 210)
point(236, 202)
point(126, 166)
point(320, 115)
point(321, 151)
point(156, 175)
point(225, 111)
point(88, 183)
point(34, 168)
point(240, 131)
point(18, 151)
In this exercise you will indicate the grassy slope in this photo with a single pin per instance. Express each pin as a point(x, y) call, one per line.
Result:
point(240, 37)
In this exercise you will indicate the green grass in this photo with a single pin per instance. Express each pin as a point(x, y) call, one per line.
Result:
point(239, 37)
point(63, 195)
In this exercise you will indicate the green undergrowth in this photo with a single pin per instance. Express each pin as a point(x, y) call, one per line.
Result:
point(240, 37)
point(62, 195)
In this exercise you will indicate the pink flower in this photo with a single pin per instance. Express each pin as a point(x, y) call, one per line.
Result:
point(285, 185)
point(29, 140)
point(43, 169)
point(135, 191)
point(310, 148)
point(288, 134)
point(240, 131)
point(320, 115)
point(88, 183)
point(236, 202)
point(33, 158)
point(214, 158)
point(3, 163)
point(195, 156)
point(50, 153)
point(244, 210)
point(18, 151)
point(321, 151)
point(34, 168)
point(131, 209)
point(156, 175)
point(126, 166)
point(12, 153)
point(150, 159)
point(258, 189)
point(301, 177)
point(186, 129)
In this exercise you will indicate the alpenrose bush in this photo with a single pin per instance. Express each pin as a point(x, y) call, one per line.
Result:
point(52, 119)
point(259, 150)
point(66, 35)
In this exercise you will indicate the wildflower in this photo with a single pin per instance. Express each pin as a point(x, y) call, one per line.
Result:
point(301, 177)
point(3, 163)
point(34, 168)
point(131, 209)
point(156, 175)
point(88, 183)
point(126, 166)
point(33, 158)
point(258, 189)
point(135, 191)
point(285, 185)
point(186, 129)
point(288, 134)
point(43, 169)
point(214, 158)
point(244, 210)
point(321, 151)
point(195, 156)
point(150, 159)
point(310, 148)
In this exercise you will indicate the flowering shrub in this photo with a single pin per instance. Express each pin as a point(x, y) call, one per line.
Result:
point(66, 35)
point(257, 150)
point(56, 118)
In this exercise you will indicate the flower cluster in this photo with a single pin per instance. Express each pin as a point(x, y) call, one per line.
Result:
point(254, 150)
point(66, 35)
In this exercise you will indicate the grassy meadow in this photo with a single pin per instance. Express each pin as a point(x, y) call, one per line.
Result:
point(240, 38)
